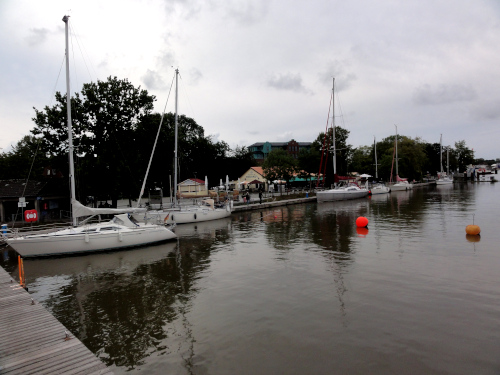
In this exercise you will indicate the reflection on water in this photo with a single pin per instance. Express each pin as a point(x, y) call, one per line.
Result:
point(295, 289)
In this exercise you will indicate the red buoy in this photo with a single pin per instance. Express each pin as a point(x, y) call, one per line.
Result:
point(361, 222)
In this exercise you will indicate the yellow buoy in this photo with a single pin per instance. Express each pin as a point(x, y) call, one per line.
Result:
point(473, 230)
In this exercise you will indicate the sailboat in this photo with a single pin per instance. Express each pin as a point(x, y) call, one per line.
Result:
point(342, 192)
point(121, 232)
point(379, 187)
point(402, 183)
point(444, 179)
point(208, 209)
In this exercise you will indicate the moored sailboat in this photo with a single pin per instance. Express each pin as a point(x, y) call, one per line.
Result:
point(344, 191)
point(121, 232)
point(177, 213)
point(401, 183)
point(444, 179)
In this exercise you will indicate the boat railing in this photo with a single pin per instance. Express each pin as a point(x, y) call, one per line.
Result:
point(32, 230)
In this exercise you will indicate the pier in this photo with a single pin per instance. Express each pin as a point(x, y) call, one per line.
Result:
point(32, 341)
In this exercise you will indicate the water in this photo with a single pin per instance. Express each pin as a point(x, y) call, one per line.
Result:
point(296, 290)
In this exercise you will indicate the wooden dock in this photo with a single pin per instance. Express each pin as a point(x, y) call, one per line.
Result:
point(32, 341)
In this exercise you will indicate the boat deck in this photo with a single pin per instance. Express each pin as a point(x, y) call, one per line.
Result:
point(32, 341)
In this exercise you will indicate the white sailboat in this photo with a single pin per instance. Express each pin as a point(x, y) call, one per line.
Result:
point(208, 209)
point(402, 183)
point(121, 232)
point(379, 187)
point(444, 179)
point(342, 192)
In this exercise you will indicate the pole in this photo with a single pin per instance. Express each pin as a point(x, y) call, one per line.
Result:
point(176, 131)
point(70, 131)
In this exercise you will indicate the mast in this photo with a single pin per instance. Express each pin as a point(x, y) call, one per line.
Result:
point(448, 161)
point(375, 152)
point(175, 145)
point(397, 173)
point(70, 131)
point(333, 127)
point(441, 153)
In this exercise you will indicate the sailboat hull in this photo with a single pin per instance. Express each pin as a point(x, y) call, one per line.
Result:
point(80, 240)
point(184, 216)
point(340, 195)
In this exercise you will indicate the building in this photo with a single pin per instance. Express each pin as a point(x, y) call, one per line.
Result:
point(192, 188)
point(260, 150)
point(253, 178)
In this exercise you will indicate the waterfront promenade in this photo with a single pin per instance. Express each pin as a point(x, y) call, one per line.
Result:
point(32, 341)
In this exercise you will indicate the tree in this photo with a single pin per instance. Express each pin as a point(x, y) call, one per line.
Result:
point(363, 160)
point(104, 119)
point(25, 160)
point(464, 155)
point(343, 152)
point(279, 165)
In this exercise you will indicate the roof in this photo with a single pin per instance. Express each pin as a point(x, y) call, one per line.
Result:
point(279, 144)
point(32, 188)
point(192, 181)
point(19, 188)
point(259, 170)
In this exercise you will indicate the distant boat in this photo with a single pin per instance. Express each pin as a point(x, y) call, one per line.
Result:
point(345, 191)
point(121, 232)
point(209, 209)
point(379, 187)
point(444, 179)
point(402, 183)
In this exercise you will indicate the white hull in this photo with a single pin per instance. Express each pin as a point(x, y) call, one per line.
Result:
point(380, 189)
point(401, 186)
point(340, 195)
point(184, 216)
point(90, 238)
point(59, 243)
point(444, 181)
point(486, 178)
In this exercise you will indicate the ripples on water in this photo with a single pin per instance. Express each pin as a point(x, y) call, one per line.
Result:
point(296, 290)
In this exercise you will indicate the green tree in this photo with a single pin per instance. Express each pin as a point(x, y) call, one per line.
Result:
point(363, 160)
point(24, 160)
point(464, 155)
point(279, 165)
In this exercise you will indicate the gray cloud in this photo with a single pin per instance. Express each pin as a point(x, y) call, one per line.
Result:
point(443, 94)
point(288, 82)
point(487, 111)
point(37, 36)
point(153, 80)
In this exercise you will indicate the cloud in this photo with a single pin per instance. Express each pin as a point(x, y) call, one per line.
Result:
point(443, 94)
point(153, 80)
point(37, 36)
point(288, 82)
point(338, 70)
point(487, 111)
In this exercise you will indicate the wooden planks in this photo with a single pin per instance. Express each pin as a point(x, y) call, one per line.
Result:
point(32, 341)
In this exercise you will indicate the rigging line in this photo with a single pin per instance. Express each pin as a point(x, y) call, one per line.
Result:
point(154, 146)
point(187, 96)
point(84, 53)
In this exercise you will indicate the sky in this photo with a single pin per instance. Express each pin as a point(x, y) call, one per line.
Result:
point(262, 70)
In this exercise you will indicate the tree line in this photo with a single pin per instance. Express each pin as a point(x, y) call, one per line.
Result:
point(114, 129)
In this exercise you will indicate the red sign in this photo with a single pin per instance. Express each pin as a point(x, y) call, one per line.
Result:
point(30, 215)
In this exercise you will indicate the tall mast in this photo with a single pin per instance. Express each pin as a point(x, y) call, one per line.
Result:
point(333, 128)
point(441, 152)
point(448, 161)
point(175, 145)
point(70, 131)
point(397, 173)
point(375, 152)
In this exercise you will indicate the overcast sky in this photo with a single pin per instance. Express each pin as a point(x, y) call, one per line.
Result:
point(261, 70)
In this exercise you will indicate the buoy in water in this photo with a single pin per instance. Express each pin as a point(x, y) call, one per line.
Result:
point(361, 222)
point(473, 230)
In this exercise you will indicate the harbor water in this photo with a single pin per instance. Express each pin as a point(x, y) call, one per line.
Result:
point(296, 290)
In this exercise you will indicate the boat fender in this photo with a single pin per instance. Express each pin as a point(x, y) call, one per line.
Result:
point(195, 216)
point(172, 217)
point(120, 236)
point(87, 238)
